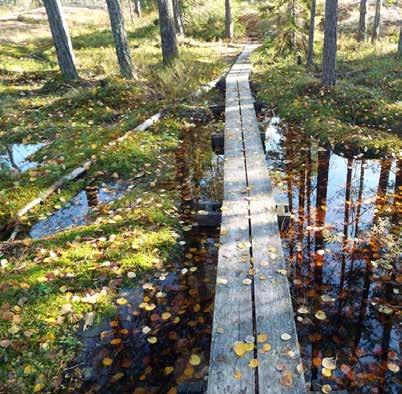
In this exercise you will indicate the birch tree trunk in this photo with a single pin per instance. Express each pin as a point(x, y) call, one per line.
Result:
point(178, 17)
point(330, 40)
point(361, 33)
point(137, 8)
point(228, 20)
point(120, 38)
point(377, 19)
point(61, 39)
point(310, 48)
point(168, 31)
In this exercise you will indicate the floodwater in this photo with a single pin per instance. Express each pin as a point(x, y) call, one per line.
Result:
point(163, 334)
point(343, 248)
point(198, 180)
point(165, 330)
point(15, 156)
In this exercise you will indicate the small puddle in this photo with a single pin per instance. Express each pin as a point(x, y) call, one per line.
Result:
point(15, 156)
point(76, 211)
point(343, 254)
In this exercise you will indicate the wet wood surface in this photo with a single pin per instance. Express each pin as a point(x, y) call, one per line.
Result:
point(252, 301)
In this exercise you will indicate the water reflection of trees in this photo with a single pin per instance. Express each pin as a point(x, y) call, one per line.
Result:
point(338, 265)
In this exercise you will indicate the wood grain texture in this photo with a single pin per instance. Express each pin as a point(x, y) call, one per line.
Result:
point(249, 216)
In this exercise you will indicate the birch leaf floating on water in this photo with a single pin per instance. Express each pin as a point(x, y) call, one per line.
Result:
point(329, 363)
point(237, 375)
point(107, 361)
point(320, 315)
point(195, 360)
point(326, 388)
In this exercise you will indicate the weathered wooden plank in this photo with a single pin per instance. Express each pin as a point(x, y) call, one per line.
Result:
point(273, 307)
point(233, 314)
point(249, 209)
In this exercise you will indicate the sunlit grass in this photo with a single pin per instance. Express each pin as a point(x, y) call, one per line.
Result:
point(360, 115)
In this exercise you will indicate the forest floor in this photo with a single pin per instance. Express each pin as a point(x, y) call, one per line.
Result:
point(72, 280)
point(50, 288)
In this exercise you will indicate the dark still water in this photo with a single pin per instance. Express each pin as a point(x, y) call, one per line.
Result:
point(159, 341)
point(343, 249)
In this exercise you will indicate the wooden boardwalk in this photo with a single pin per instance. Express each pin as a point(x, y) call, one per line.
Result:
point(254, 341)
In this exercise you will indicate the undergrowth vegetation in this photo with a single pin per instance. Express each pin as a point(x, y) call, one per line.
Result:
point(53, 287)
point(360, 115)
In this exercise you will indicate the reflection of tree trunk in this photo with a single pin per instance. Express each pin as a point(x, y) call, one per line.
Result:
point(345, 227)
point(300, 226)
point(359, 198)
point(382, 189)
point(321, 207)
point(397, 194)
point(288, 170)
point(308, 205)
point(11, 157)
point(321, 201)
point(363, 307)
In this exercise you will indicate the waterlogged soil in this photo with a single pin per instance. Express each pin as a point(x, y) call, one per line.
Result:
point(343, 249)
point(159, 340)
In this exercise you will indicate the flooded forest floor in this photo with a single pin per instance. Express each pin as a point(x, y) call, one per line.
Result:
point(109, 285)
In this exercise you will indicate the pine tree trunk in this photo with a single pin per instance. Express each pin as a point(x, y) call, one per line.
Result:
point(228, 20)
point(399, 52)
point(330, 39)
point(310, 48)
point(61, 39)
point(377, 18)
point(120, 38)
point(178, 17)
point(137, 8)
point(361, 33)
point(168, 31)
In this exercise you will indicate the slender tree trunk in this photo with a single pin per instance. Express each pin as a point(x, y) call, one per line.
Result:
point(120, 38)
point(178, 17)
point(330, 38)
point(361, 33)
point(61, 39)
point(310, 48)
point(399, 52)
point(376, 24)
point(229, 26)
point(137, 8)
point(168, 31)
